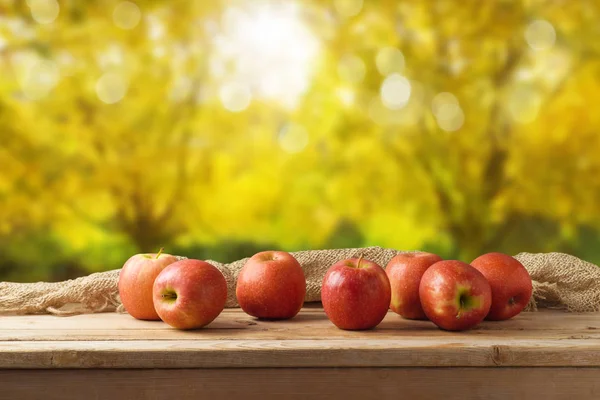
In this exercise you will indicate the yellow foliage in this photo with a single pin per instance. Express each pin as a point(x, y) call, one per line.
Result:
point(202, 125)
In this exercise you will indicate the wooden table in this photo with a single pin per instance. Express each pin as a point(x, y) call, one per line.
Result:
point(546, 355)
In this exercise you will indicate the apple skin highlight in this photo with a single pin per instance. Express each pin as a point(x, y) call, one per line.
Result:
point(405, 272)
point(189, 294)
point(271, 286)
point(136, 280)
point(454, 295)
point(355, 294)
point(510, 282)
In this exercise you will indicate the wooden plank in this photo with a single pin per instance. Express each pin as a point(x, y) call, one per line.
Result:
point(311, 323)
point(235, 340)
point(415, 352)
point(312, 383)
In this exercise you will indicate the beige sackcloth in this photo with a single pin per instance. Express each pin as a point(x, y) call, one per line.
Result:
point(560, 281)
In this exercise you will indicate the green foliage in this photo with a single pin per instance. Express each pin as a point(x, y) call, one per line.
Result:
point(198, 129)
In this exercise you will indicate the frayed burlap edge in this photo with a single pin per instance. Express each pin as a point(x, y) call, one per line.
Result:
point(560, 281)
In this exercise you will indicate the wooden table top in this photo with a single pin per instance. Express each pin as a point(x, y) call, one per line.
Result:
point(236, 340)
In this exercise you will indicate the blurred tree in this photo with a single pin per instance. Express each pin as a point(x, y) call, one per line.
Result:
point(484, 181)
point(202, 127)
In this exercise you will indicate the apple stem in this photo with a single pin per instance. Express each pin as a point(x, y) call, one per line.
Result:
point(359, 260)
point(159, 252)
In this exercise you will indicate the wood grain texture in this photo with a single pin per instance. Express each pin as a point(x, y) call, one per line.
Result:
point(311, 323)
point(298, 353)
point(311, 383)
point(235, 340)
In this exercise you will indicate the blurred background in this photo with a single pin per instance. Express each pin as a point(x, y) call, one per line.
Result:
point(218, 129)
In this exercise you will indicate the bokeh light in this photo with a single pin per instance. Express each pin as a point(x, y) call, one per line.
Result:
point(453, 119)
point(293, 138)
point(112, 56)
point(155, 27)
point(235, 96)
point(395, 91)
point(44, 11)
point(345, 95)
point(552, 67)
point(111, 87)
point(66, 62)
point(39, 79)
point(378, 112)
point(447, 111)
point(524, 104)
point(540, 35)
point(127, 15)
point(389, 60)
point(348, 8)
point(181, 89)
point(384, 116)
point(3, 41)
point(351, 68)
point(442, 102)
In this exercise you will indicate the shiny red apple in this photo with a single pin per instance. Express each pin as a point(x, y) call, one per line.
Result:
point(355, 294)
point(455, 295)
point(510, 282)
point(404, 272)
point(189, 294)
point(135, 283)
point(271, 285)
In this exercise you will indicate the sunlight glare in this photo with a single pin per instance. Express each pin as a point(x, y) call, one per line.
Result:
point(271, 49)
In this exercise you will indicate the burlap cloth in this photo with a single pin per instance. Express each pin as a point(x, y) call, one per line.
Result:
point(560, 281)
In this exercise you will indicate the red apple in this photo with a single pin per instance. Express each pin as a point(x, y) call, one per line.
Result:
point(454, 295)
point(271, 285)
point(510, 282)
point(135, 283)
point(189, 294)
point(404, 272)
point(356, 294)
